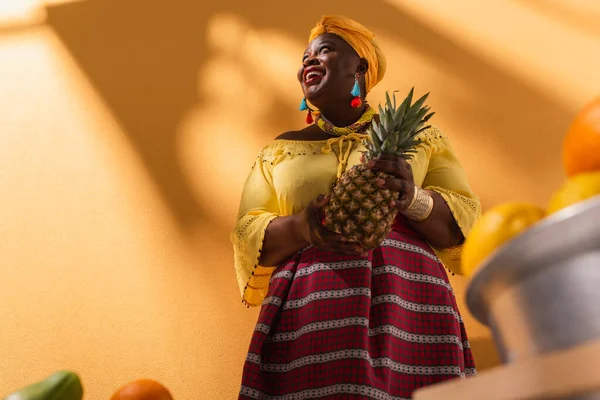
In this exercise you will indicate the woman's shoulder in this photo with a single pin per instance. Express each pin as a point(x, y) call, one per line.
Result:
point(433, 137)
point(300, 142)
point(296, 141)
point(432, 134)
point(310, 133)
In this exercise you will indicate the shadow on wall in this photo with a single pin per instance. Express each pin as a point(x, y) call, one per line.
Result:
point(572, 14)
point(143, 58)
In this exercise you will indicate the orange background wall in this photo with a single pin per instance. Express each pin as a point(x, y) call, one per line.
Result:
point(127, 128)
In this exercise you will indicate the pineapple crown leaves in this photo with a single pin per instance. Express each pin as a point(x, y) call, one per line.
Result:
point(398, 127)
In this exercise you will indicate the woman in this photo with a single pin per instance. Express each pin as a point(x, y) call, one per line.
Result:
point(337, 321)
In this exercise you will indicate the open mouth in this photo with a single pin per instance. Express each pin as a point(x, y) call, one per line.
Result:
point(313, 75)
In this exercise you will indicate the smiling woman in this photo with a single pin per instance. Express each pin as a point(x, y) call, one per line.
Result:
point(329, 52)
point(339, 319)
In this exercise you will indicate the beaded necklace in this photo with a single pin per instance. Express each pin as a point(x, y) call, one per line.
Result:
point(358, 127)
point(345, 137)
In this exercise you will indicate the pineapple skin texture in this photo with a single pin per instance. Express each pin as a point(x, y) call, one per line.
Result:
point(360, 209)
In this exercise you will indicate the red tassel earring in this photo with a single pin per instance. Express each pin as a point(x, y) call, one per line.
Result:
point(304, 107)
point(356, 101)
point(309, 118)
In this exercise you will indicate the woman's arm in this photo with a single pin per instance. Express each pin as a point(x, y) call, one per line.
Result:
point(455, 207)
point(288, 235)
point(262, 238)
point(282, 240)
point(440, 229)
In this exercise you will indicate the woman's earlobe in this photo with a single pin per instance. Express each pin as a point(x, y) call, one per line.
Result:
point(363, 66)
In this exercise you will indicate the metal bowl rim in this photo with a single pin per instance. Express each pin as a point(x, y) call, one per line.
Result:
point(485, 274)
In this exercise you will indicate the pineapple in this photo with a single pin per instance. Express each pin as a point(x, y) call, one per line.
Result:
point(359, 209)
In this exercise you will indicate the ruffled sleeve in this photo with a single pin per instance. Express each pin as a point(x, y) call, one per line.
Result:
point(446, 176)
point(258, 207)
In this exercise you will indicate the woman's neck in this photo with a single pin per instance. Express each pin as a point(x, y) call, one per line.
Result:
point(342, 116)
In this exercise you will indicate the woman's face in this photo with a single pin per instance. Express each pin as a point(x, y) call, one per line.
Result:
point(329, 67)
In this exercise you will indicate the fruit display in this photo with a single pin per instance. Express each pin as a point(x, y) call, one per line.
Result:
point(575, 189)
point(581, 146)
point(66, 385)
point(505, 222)
point(142, 389)
point(496, 227)
point(62, 385)
point(359, 208)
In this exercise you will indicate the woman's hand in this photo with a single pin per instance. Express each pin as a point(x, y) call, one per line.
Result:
point(402, 178)
point(440, 229)
point(311, 228)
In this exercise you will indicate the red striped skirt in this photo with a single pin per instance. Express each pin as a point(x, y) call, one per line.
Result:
point(338, 327)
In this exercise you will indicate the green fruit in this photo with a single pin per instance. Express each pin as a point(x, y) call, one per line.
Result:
point(62, 385)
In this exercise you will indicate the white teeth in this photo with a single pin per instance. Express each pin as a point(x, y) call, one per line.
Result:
point(313, 74)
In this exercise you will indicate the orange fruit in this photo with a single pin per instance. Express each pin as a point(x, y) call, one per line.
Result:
point(494, 229)
point(577, 188)
point(142, 389)
point(581, 146)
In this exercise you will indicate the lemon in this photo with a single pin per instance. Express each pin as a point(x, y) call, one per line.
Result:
point(577, 188)
point(496, 227)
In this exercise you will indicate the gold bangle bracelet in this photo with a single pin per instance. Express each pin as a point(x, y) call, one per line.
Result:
point(420, 206)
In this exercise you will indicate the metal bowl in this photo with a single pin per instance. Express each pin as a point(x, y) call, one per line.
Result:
point(541, 292)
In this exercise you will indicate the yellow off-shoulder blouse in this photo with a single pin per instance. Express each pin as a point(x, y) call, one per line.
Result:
point(288, 174)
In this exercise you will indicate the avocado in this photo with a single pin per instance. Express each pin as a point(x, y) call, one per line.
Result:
point(62, 385)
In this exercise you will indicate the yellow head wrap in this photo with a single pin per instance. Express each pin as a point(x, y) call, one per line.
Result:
point(360, 39)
